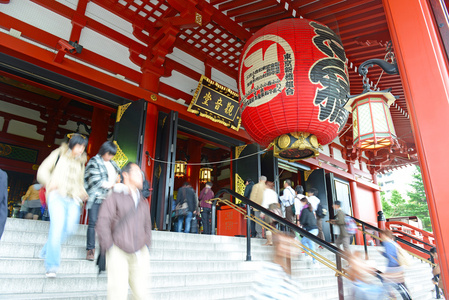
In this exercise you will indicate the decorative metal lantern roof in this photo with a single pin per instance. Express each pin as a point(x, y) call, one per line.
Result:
point(205, 174)
point(371, 119)
point(180, 168)
point(293, 84)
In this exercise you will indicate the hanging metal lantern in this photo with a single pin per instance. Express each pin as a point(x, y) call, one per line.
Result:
point(293, 84)
point(180, 168)
point(372, 124)
point(205, 174)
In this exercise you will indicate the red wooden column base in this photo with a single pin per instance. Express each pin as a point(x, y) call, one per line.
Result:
point(423, 68)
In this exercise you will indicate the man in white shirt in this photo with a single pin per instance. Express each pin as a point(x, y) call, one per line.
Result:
point(288, 200)
point(313, 199)
point(257, 197)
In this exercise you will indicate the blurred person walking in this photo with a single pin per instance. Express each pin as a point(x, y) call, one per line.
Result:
point(206, 194)
point(257, 197)
point(62, 174)
point(274, 280)
point(100, 175)
point(362, 287)
point(340, 221)
point(307, 221)
point(33, 203)
point(394, 273)
point(124, 232)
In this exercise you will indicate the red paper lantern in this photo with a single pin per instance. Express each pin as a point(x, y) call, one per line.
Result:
point(293, 84)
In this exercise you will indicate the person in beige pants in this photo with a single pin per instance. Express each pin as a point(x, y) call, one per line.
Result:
point(124, 233)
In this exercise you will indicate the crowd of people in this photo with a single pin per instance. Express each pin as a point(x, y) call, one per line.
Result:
point(307, 212)
point(118, 213)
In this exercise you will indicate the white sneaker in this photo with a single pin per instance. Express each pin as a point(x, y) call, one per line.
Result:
point(50, 275)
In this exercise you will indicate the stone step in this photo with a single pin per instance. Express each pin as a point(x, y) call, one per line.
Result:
point(11, 284)
point(237, 291)
point(184, 266)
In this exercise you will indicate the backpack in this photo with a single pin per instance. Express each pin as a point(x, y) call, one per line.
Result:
point(351, 226)
point(320, 212)
point(403, 256)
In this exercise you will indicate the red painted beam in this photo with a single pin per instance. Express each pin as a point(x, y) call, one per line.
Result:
point(50, 40)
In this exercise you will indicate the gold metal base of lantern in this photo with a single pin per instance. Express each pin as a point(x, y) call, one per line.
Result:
point(296, 146)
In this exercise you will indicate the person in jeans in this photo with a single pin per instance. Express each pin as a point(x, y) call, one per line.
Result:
point(62, 173)
point(186, 194)
point(308, 221)
point(206, 208)
point(101, 174)
point(124, 232)
point(33, 203)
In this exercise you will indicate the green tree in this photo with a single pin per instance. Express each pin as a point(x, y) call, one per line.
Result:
point(395, 206)
point(417, 205)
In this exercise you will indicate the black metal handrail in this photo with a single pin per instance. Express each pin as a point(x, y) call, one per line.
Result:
point(339, 254)
point(398, 239)
point(413, 238)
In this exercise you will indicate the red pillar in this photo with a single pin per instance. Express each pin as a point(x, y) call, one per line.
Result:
point(193, 171)
point(99, 133)
point(378, 203)
point(425, 77)
point(355, 202)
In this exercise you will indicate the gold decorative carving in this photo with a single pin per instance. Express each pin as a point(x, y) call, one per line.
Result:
point(314, 141)
point(153, 97)
point(284, 141)
point(198, 19)
point(120, 158)
point(121, 110)
point(239, 187)
point(238, 150)
point(159, 172)
point(296, 146)
point(307, 174)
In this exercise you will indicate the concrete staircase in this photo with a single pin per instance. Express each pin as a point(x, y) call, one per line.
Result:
point(183, 266)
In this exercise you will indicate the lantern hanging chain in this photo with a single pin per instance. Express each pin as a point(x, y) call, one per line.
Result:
point(211, 163)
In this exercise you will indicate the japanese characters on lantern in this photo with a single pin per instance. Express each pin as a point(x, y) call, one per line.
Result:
point(293, 83)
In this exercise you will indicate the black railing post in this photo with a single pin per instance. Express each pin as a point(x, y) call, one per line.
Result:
point(341, 292)
point(364, 242)
point(248, 233)
point(213, 217)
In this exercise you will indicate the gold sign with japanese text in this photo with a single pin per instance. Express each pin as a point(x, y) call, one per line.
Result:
point(217, 103)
